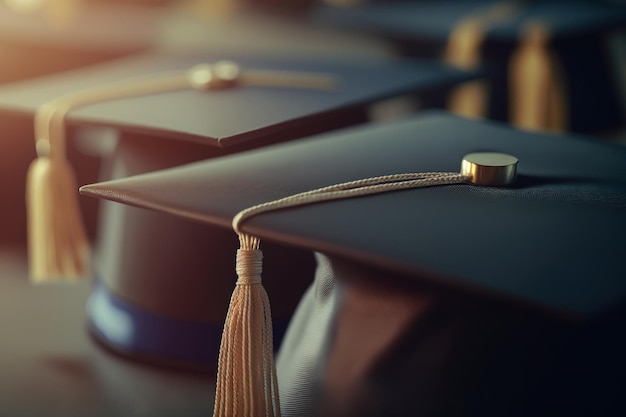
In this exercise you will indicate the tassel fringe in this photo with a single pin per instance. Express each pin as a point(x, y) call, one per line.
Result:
point(246, 360)
point(58, 246)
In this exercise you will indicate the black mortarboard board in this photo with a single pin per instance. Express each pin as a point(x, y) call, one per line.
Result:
point(577, 35)
point(567, 203)
point(159, 131)
point(239, 114)
point(550, 245)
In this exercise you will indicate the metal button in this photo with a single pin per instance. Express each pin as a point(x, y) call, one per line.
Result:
point(218, 76)
point(490, 168)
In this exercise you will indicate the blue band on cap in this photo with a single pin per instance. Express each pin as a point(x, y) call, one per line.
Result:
point(130, 329)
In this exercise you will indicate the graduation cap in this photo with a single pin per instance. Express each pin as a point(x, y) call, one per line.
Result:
point(33, 46)
point(252, 108)
point(549, 244)
point(550, 62)
point(184, 125)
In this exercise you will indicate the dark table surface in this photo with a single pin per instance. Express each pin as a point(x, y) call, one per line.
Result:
point(50, 366)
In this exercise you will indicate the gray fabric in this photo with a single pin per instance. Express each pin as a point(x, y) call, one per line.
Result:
point(303, 351)
point(459, 357)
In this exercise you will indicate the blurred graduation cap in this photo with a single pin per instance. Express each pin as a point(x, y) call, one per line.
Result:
point(265, 102)
point(551, 63)
point(456, 299)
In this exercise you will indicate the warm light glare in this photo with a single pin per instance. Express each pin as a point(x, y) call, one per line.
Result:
point(58, 13)
point(24, 6)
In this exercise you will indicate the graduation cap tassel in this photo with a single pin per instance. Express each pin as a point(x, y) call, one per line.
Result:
point(58, 246)
point(246, 374)
point(246, 351)
point(464, 51)
point(537, 92)
point(57, 241)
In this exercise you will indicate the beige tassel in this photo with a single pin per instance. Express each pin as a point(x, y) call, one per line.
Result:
point(537, 93)
point(57, 242)
point(58, 245)
point(246, 379)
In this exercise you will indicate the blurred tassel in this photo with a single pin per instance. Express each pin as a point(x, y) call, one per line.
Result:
point(246, 376)
point(58, 246)
point(537, 93)
point(463, 51)
point(57, 242)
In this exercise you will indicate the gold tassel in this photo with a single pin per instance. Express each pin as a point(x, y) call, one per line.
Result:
point(246, 360)
point(463, 51)
point(57, 242)
point(537, 94)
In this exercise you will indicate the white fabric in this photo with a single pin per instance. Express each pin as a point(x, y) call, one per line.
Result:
point(301, 359)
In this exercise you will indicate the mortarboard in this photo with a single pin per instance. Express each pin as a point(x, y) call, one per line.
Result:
point(550, 62)
point(184, 125)
point(523, 276)
point(360, 82)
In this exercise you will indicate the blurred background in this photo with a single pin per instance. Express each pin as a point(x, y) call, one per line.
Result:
point(571, 53)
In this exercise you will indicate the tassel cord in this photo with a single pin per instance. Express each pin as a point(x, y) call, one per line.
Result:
point(246, 350)
point(272, 78)
point(374, 185)
point(49, 120)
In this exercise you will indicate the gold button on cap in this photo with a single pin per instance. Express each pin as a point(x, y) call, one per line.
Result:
point(218, 76)
point(490, 168)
